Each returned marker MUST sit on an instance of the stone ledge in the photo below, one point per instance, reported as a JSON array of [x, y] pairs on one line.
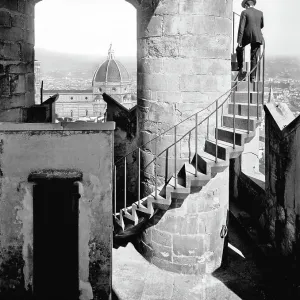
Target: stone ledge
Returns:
[[76, 126]]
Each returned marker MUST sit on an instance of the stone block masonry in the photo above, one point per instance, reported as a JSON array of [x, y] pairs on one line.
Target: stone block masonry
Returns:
[[16, 57], [187, 238], [184, 62]]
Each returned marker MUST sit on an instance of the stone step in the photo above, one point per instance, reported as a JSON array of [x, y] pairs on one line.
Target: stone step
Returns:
[[243, 86], [207, 165], [241, 109], [241, 136], [242, 97], [129, 216], [148, 209], [194, 179], [225, 150], [241, 122], [159, 201], [180, 192]]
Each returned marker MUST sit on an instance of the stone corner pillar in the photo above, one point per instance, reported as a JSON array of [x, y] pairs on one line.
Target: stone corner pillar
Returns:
[[16, 58]]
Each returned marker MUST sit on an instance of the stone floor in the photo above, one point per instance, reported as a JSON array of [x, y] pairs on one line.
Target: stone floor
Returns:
[[243, 276]]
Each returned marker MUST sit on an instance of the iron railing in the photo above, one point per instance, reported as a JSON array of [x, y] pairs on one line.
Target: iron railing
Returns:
[[230, 94]]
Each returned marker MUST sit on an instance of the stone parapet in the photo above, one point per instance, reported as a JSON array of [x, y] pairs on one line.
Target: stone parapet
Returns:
[[37, 156]]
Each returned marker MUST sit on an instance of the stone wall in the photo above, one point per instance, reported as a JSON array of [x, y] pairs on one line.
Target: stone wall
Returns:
[[16, 58], [27, 148], [187, 238], [183, 53], [282, 173]]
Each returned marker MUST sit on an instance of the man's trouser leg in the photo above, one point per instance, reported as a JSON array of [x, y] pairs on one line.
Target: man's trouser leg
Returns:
[[254, 54], [240, 57]]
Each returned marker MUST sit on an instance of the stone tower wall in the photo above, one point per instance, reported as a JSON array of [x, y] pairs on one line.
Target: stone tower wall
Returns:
[[16, 58], [183, 54]]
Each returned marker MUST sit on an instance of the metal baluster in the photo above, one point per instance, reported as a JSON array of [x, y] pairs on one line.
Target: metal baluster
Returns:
[[175, 155], [115, 190], [167, 166], [196, 144], [263, 81], [207, 127], [248, 104], [234, 137], [155, 167], [217, 133], [233, 19], [139, 177], [222, 112], [125, 183], [257, 100]]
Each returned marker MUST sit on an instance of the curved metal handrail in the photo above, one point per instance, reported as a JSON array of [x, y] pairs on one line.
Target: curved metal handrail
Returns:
[[198, 112], [207, 117], [229, 93]]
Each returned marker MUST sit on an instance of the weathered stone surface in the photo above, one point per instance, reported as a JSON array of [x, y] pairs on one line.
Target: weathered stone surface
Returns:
[[5, 19], [16, 47], [95, 226]]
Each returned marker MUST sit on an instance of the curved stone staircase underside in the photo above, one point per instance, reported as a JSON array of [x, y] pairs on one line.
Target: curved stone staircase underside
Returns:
[[132, 220]]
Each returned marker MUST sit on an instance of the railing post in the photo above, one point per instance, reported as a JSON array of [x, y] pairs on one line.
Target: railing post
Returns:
[[196, 144], [175, 155], [167, 166], [115, 190], [248, 104], [233, 34], [217, 131], [125, 183], [234, 142], [207, 133], [139, 177], [257, 100], [263, 80], [155, 167]]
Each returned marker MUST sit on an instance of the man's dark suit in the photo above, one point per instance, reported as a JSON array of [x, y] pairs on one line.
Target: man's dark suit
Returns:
[[251, 23]]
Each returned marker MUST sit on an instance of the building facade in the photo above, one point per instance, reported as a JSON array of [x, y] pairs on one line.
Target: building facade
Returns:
[[110, 77]]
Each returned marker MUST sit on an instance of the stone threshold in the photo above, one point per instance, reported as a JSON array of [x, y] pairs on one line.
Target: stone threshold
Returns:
[[71, 126]]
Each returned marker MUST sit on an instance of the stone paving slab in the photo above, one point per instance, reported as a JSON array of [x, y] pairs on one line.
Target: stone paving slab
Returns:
[[135, 278]]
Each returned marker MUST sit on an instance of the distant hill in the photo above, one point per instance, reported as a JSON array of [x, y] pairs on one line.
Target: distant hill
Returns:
[[283, 67], [56, 61]]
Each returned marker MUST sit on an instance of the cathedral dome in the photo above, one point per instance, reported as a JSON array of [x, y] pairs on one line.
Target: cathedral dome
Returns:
[[111, 71]]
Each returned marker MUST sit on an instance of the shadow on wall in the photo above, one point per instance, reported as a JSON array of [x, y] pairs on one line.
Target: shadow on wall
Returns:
[[251, 275]]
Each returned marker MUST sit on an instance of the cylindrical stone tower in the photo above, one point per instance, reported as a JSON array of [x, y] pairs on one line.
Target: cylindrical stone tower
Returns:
[[16, 58], [184, 64]]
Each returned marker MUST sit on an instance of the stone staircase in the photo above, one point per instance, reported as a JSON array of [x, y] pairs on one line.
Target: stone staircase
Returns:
[[238, 126]]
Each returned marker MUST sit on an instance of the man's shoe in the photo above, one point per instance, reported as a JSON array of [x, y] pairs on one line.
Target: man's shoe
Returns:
[[242, 76]]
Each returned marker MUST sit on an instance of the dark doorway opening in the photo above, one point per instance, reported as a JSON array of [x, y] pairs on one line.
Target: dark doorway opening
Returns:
[[55, 238]]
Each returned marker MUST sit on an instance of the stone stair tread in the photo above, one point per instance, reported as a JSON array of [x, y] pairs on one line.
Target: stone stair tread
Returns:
[[246, 104], [239, 131], [171, 183], [240, 117], [130, 216], [225, 144], [158, 199], [143, 209], [190, 170], [245, 92], [210, 159]]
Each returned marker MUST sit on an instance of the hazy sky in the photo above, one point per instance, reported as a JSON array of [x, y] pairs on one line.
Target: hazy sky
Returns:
[[89, 26]]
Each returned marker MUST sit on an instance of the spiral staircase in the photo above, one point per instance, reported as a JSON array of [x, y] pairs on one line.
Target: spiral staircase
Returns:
[[236, 119]]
